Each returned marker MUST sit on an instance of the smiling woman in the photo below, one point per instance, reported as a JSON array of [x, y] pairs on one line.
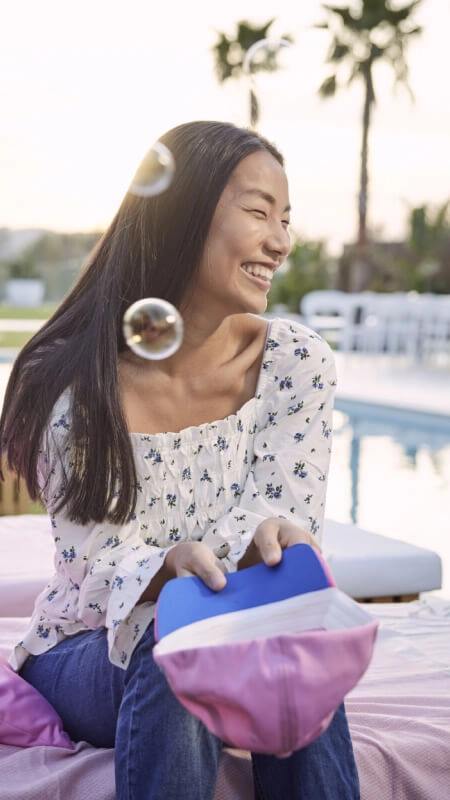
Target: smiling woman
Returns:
[[209, 461], [248, 234]]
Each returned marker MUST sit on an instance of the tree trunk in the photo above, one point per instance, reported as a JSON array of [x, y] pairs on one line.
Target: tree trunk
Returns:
[[364, 172], [360, 267], [254, 109]]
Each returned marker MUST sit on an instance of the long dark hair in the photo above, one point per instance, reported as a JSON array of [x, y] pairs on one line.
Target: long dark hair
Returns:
[[152, 248]]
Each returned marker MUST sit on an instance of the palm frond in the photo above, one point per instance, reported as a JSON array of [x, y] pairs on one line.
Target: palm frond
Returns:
[[247, 34], [230, 53], [338, 51], [344, 13], [328, 87], [355, 72], [399, 15], [221, 50]]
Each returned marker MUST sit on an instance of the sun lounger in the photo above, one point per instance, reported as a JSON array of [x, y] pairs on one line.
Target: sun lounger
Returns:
[[399, 713], [365, 565]]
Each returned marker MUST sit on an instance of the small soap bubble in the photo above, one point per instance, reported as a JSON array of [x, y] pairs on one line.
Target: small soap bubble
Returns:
[[263, 55], [153, 328], [155, 173], [261, 59]]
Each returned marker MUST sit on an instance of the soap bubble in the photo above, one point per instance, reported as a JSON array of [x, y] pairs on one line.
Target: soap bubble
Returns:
[[262, 58], [263, 55], [153, 328], [155, 173]]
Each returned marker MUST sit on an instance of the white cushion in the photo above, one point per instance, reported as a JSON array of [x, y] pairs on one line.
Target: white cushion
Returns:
[[363, 564], [366, 564]]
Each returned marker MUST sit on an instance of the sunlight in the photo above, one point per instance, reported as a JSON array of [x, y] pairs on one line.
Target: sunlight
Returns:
[[88, 88]]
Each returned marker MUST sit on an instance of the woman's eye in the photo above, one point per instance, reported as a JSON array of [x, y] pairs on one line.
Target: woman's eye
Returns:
[[286, 222], [260, 212]]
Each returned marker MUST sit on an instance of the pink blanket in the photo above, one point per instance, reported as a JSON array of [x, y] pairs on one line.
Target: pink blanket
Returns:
[[399, 716]]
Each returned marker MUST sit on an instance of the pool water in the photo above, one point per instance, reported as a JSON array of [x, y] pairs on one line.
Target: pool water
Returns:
[[390, 473]]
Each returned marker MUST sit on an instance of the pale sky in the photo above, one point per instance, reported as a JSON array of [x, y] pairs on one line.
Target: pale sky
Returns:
[[87, 86]]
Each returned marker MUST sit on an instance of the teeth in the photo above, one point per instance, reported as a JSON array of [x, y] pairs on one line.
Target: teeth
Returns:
[[258, 271]]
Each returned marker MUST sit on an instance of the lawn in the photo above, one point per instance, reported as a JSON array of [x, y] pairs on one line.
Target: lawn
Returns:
[[16, 339], [13, 340], [16, 312]]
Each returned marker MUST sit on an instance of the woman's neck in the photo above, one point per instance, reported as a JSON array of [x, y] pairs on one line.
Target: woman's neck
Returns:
[[205, 347], [209, 378]]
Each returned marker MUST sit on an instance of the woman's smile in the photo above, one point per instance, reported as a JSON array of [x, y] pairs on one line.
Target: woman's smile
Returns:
[[259, 274]]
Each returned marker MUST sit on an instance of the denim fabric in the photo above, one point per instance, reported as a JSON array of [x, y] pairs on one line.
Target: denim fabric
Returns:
[[162, 752]]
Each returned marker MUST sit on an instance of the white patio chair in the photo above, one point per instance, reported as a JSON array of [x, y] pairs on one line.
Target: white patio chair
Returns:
[[434, 337], [389, 324], [334, 314]]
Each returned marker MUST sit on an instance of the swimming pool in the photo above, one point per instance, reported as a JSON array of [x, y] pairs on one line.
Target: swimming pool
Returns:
[[390, 473]]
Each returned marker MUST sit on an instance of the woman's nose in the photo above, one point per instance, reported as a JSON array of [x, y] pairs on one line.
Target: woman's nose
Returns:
[[278, 241]]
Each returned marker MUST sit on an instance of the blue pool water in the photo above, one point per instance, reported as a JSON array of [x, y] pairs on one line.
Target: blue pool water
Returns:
[[390, 473]]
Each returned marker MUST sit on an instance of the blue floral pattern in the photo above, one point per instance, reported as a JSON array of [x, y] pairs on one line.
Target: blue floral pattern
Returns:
[[213, 482]]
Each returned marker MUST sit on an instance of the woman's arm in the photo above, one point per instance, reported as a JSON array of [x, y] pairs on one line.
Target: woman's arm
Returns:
[[292, 448]]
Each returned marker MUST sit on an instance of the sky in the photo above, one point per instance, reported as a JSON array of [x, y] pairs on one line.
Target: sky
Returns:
[[87, 86]]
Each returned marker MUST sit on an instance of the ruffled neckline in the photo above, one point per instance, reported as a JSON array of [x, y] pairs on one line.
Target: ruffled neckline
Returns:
[[214, 428]]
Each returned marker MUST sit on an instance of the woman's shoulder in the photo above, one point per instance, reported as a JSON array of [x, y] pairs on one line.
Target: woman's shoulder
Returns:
[[295, 359], [277, 331], [288, 338]]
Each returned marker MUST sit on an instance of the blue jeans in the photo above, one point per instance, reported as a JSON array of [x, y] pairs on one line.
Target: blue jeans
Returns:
[[163, 752]]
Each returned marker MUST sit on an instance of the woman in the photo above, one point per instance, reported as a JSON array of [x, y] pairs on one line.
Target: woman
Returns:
[[149, 469]]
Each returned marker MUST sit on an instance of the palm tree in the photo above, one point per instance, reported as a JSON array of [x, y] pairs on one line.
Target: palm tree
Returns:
[[232, 57], [376, 32], [429, 243]]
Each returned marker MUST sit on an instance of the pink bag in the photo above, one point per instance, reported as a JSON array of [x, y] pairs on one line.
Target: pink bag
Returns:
[[265, 662]]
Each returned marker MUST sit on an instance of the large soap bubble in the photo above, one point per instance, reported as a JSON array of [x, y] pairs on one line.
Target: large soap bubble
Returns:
[[155, 173], [153, 328]]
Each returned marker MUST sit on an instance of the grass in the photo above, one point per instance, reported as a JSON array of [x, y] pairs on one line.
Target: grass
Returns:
[[35, 508], [14, 339], [19, 312]]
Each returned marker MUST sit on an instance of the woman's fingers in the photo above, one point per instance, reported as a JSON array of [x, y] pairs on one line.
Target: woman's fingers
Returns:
[[274, 534], [271, 537], [267, 541], [212, 576], [264, 546], [194, 558], [290, 534]]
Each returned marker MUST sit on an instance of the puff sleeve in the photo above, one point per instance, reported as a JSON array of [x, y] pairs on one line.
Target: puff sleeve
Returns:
[[101, 570], [292, 447]]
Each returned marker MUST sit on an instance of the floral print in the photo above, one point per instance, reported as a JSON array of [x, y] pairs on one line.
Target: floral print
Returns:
[[213, 482]]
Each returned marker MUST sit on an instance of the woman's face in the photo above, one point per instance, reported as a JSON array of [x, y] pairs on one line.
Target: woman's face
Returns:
[[248, 239]]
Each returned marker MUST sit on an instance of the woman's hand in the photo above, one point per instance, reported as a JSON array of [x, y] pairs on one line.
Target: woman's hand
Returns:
[[187, 559], [272, 537], [195, 558]]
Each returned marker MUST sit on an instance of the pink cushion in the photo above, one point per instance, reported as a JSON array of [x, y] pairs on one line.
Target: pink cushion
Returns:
[[26, 717]]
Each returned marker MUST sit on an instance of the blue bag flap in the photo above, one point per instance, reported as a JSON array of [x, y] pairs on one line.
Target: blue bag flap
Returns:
[[186, 600]]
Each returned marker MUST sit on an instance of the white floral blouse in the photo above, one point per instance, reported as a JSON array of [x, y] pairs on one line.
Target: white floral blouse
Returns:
[[214, 482]]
